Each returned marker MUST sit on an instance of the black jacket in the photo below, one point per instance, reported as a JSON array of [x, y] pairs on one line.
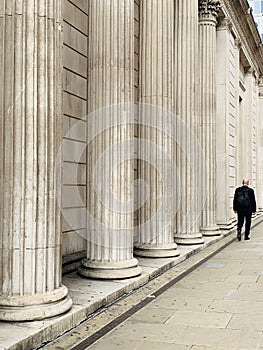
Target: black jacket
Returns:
[[252, 206]]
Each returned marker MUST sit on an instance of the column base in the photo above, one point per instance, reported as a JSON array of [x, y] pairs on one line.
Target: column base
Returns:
[[156, 251], [189, 239], [210, 231], [110, 270], [226, 226], [35, 307]]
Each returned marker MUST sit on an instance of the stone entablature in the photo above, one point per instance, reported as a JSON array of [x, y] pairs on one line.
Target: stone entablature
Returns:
[[245, 28]]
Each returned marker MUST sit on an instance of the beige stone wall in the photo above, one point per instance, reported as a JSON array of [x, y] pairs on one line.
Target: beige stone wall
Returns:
[[254, 135], [75, 50], [226, 122]]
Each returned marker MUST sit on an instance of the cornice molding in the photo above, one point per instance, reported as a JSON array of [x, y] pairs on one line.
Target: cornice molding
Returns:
[[249, 71], [244, 24], [225, 24], [260, 86], [238, 43]]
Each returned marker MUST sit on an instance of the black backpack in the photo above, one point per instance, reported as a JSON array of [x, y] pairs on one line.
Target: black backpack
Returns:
[[242, 198]]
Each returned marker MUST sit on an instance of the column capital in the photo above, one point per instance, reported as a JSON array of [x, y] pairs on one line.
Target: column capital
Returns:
[[225, 24], [260, 86], [208, 10], [249, 71], [238, 43]]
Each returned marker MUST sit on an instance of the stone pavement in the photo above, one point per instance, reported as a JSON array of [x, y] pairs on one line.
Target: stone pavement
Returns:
[[190, 313], [219, 305]]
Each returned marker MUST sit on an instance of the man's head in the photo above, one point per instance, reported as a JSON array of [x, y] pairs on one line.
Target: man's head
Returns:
[[245, 182]]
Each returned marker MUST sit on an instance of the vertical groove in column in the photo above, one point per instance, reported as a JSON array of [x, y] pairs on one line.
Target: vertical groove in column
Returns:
[[155, 236], [208, 12], [187, 218], [30, 230], [2, 66], [110, 93]]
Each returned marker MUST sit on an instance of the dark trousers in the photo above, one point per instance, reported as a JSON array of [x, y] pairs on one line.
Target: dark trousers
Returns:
[[241, 215]]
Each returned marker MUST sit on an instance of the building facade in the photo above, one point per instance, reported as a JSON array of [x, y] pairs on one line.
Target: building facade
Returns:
[[125, 128]]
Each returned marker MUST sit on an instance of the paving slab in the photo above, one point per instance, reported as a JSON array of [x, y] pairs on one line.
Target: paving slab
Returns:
[[236, 306], [247, 321], [222, 338], [131, 330], [195, 318], [212, 290], [153, 315]]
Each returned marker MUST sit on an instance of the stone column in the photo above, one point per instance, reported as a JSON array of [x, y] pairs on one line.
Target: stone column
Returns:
[[208, 12], [227, 86], [186, 105], [110, 188], [259, 189], [155, 236], [30, 127]]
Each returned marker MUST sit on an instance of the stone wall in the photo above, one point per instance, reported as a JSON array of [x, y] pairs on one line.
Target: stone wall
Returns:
[[227, 78], [75, 51]]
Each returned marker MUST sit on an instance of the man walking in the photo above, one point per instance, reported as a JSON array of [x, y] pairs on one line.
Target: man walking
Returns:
[[244, 205]]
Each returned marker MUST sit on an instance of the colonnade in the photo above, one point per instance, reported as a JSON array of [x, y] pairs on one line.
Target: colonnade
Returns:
[[177, 77]]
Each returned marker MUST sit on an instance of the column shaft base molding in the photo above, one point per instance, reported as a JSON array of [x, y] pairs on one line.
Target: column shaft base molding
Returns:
[[189, 239], [110, 269], [226, 226], [157, 250], [35, 307], [210, 231]]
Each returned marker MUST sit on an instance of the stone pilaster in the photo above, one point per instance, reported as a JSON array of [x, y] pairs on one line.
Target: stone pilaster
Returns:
[[155, 236], [227, 86], [30, 127], [186, 105], [239, 121], [110, 172], [208, 12], [247, 134], [259, 188]]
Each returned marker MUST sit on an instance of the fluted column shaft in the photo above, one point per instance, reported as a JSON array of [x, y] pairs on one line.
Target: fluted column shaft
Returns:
[[208, 11], [186, 93], [30, 127], [155, 236], [110, 171]]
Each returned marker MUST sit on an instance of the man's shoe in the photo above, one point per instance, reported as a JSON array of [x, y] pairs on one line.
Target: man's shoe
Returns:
[[247, 238], [239, 235]]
